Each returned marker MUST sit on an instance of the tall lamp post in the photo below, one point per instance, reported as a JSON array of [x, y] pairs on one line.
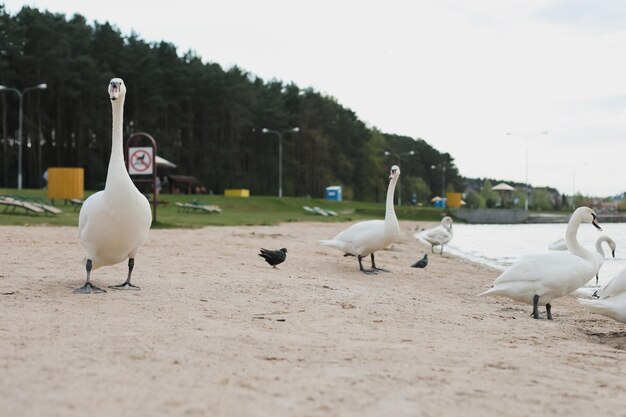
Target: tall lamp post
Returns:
[[20, 94], [399, 156], [527, 137], [280, 133]]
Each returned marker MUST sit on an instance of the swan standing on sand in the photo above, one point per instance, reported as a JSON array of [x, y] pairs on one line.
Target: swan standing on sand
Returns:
[[538, 279], [365, 238], [561, 245], [439, 235], [114, 223], [612, 302]]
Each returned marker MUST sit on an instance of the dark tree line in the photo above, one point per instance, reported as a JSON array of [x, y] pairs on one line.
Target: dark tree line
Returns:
[[206, 119]]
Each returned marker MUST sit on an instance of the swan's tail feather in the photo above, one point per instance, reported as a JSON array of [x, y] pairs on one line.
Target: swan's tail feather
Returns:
[[334, 244], [490, 291]]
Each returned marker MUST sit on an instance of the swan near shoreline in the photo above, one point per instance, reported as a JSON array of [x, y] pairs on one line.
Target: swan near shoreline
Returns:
[[365, 238], [538, 279]]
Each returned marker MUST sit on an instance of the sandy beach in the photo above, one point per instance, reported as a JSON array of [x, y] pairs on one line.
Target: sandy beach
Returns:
[[215, 331]]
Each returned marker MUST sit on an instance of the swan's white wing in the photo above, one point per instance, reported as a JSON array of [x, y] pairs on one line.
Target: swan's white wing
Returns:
[[613, 307], [437, 235], [549, 275], [615, 286]]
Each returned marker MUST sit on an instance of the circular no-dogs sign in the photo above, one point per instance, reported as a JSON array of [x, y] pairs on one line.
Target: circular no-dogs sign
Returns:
[[140, 160]]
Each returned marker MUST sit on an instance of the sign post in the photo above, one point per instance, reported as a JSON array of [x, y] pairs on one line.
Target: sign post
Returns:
[[140, 161]]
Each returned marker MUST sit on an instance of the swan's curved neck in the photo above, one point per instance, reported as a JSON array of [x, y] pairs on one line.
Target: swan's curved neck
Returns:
[[117, 167], [390, 213], [599, 247], [572, 243]]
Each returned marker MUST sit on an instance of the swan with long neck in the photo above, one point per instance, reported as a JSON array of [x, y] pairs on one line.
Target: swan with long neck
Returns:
[[538, 279], [365, 238], [439, 235], [114, 223]]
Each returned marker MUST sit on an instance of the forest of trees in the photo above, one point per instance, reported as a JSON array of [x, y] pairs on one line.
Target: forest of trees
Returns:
[[206, 119]]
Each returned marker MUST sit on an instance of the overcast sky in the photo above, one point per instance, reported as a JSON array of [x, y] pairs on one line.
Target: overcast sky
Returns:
[[459, 74]]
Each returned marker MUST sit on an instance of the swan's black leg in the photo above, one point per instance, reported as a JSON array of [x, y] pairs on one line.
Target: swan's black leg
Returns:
[[365, 271], [535, 309], [127, 285], [374, 265], [88, 288], [549, 311], [432, 248], [596, 280], [441, 253]]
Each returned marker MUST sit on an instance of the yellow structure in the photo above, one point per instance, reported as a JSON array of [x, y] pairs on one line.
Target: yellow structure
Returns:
[[242, 192], [454, 200], [66, 183]]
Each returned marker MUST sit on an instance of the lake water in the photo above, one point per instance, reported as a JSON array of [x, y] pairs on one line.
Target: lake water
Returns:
[[501, 245]]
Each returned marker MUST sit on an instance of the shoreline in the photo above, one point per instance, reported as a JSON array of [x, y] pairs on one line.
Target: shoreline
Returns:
[[216, 331]]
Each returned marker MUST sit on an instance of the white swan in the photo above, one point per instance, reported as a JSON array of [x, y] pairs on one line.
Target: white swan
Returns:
[[615, 286], [558, 244], [365, 238], [439, 235], [613, 307], [113, 223], [612, 302], [561, 245], [538, 279]]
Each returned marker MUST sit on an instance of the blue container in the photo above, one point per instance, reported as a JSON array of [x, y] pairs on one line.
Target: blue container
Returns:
[[333, 193]]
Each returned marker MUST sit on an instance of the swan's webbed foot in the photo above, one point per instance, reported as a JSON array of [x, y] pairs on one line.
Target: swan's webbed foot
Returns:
[[88, 288], [125, 286], [369, 271], [381, 269]]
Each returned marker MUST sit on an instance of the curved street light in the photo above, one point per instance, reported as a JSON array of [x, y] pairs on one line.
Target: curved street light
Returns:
[[399, 156], [280, 133], [527, 137], [20, 94]]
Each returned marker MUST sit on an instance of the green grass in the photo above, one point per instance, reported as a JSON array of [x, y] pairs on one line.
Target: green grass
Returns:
[[262, 210]]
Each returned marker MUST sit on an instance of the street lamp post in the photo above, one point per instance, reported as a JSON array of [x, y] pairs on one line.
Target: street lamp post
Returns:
[[20, 94], [527, 137], [399, 156], [279, 133], [443, 178]]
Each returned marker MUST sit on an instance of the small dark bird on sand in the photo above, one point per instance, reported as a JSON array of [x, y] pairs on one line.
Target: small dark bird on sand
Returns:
[[421, 263], [274, 257]]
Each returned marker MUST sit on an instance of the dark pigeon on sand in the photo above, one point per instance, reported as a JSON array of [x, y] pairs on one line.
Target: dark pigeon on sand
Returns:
[[274, 257], [421, 263]]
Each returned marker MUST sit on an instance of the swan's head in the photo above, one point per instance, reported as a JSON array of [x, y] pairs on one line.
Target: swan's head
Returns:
[[586, 215], [447, 222], [395, 172], [117, 89]]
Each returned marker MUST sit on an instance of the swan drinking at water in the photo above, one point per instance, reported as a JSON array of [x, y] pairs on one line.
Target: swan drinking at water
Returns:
[[114, 223], [538, 279], [365, 238]]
